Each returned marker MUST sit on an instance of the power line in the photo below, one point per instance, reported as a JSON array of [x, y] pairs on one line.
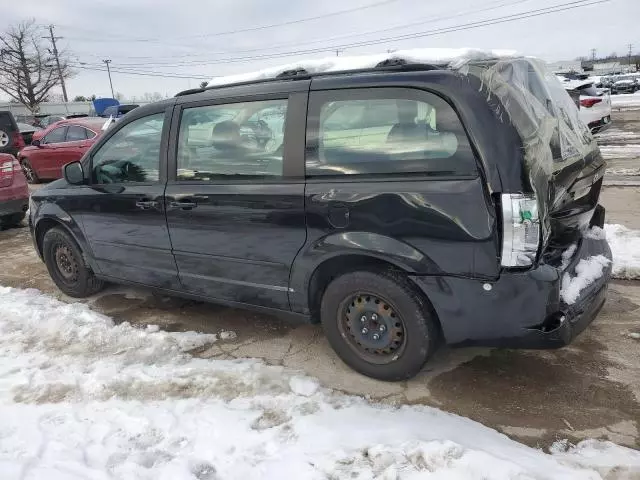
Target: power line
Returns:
[[264, 27], [456, 28], [144, 74], [422, 21], [439, 31]]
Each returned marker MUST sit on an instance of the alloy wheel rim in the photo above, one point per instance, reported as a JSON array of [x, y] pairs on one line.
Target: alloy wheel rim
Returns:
[[372, 328], [4, 139], [28, 172]]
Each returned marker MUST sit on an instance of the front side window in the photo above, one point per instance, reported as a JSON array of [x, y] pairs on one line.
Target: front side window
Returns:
[[132, 154], [239, 140], [57, 135], [385, 131]]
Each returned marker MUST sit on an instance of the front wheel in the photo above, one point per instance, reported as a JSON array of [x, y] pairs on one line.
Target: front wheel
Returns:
[[378, 325], [29, 172], [67, 266]]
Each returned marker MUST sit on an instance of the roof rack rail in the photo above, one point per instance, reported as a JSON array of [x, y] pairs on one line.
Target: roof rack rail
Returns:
[[391, 65], [189, 92]]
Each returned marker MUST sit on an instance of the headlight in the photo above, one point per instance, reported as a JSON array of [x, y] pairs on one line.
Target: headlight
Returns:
[[520, 230]]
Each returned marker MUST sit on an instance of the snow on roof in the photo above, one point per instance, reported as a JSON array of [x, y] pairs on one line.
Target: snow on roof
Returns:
[[433, 56], [573, 84]]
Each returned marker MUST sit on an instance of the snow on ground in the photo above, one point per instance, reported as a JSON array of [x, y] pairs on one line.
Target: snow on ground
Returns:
[[83, 398], [624, 172], [437, 56], [625, 246], [620, 151], [626, 100]]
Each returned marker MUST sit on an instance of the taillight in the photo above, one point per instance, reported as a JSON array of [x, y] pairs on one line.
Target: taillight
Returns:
[[6, 172], [589, 102], [520, 230], [18, 141]]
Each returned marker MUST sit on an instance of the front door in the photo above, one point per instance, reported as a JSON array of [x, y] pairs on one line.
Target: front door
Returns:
[[235, 211], [123, 210], [46, 158]]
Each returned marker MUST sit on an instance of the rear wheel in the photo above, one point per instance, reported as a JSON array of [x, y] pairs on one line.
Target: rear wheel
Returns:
[[67, 266], [29, 172], [378, 325]]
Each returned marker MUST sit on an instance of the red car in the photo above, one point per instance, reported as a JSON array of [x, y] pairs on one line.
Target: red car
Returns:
[[14, 192], [60, 143]]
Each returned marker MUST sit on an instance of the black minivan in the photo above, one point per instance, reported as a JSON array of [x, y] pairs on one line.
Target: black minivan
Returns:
[[402, 206]]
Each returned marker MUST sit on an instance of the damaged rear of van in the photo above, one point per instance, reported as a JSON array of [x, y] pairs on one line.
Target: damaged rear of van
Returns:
[[555, 262]]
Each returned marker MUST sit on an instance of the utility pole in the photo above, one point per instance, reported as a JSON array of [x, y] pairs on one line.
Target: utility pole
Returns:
[[55, 54], [593, 54], [338, 52], [630, 50], [107, 62]]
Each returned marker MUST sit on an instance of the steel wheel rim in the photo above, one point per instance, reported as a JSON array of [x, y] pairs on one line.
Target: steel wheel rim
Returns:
[[66, 263], [372, 328], [4, 139], [28, 171]]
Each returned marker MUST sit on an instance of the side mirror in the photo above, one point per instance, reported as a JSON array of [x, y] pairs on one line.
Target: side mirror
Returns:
[[73, 173], [36, 143]]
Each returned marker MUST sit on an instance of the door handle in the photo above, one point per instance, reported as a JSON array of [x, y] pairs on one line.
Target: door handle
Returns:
[[146, 204], [183, 204]]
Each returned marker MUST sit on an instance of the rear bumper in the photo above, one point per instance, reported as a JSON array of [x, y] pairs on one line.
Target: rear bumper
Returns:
[[521, 309], [9, 207], [600, 125]]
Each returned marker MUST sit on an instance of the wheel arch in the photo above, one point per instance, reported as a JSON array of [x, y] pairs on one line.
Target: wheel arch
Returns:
[[341, 264], [345, 251], [49, 221]]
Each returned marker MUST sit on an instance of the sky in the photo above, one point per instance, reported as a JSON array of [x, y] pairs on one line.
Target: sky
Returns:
[[166, 46]]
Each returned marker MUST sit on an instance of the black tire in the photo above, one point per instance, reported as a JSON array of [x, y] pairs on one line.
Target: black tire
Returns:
[[407, 349], [29, 172], [12, 220], [67, 266]]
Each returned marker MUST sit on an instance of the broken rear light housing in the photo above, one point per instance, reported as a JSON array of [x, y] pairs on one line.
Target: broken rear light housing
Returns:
[[520, 229]]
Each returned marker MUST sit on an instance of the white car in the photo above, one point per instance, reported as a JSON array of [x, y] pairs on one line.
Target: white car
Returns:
[[594, 103]]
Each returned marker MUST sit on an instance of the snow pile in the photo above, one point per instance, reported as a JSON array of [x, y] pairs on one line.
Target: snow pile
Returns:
[[588, 270], [433, 56], [625, 246], [81, 397], [603, 456]]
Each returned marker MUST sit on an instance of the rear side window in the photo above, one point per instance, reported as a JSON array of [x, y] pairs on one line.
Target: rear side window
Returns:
[[384, 132], [76, 134], [6, 122]]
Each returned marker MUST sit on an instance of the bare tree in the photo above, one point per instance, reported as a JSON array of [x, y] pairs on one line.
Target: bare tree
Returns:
[[28, 69]]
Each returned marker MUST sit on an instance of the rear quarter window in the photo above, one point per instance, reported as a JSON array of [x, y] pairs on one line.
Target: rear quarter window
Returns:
[[386, 131], [6, 122]]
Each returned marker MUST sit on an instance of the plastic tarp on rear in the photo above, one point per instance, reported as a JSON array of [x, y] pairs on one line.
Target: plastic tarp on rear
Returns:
[[544, 115]]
